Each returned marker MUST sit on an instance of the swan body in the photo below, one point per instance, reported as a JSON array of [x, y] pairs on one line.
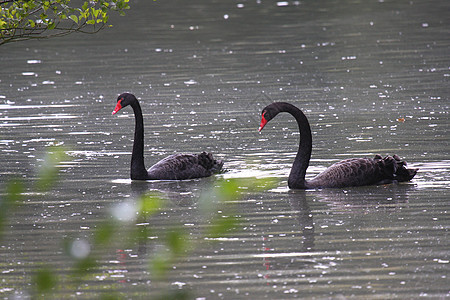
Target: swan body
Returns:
[[173, 167], [185, 166], [349, 172]]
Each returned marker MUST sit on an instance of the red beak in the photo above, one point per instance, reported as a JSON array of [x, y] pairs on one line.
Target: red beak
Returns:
[[263, 122], [118, 107]]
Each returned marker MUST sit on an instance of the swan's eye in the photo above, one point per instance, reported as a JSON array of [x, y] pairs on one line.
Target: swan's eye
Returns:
[[266, 115]]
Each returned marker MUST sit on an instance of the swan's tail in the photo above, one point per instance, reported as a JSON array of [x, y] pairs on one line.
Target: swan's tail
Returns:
[[396, 167], [209, 163]]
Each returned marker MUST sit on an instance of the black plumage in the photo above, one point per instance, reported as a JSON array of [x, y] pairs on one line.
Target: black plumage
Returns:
[[173, 167], [349, 172]]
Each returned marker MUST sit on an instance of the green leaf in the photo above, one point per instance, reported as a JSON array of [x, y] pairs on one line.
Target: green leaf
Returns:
[[95, 12], [229, 189], [74, 18], [90, 22], [2, 24], [14, 190], [14, 195], [83, 15], [149, 204], [44, 280], [84, 265], [177, 242], [160, 265], [221, 226], [178, 294], [43, 17], [110, 296], [104, 233], [142, 233], [48, 172]]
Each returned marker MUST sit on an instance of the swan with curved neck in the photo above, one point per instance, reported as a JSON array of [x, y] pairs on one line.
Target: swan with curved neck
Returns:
[[173, 167], [349, 172]]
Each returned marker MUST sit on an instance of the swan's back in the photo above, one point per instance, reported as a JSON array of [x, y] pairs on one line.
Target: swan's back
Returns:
[[185, 166], [363, 171]]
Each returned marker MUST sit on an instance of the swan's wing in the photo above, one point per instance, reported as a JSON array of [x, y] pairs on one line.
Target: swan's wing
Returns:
[[349, 172], [185, 166], [364, 171]]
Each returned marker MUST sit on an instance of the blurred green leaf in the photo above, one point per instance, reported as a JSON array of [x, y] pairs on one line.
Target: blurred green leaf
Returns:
[[228, 189], [232, 189], [48, 172], [149, 204], [66, 244], [263, 184], [142, 233], [222, 225], [177, 242], [176, 295], [104, 233], [110, 296], [14, 190], [44, 280], [84, 266], [160, 264], [13, 196]]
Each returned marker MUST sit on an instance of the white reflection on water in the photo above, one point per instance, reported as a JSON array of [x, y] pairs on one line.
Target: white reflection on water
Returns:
[[121, 181], [87, 133], [96, 153], [80, 249], [249, 173], [9, 106], [41, 117], [290, 254], [125, 211], [432, 174]]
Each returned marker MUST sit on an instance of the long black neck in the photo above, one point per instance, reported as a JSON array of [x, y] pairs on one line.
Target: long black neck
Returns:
[[138, 171], [297, 176]]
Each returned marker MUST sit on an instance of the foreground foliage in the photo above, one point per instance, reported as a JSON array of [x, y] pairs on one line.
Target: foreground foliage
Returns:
[[37, 19], [128, 225]]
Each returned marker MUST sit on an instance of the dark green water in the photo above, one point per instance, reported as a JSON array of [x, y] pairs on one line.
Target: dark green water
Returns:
[[372, 77]]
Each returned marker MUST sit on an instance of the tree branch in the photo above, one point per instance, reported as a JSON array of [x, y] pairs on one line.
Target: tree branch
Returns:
[[37, 19], [5, 1]]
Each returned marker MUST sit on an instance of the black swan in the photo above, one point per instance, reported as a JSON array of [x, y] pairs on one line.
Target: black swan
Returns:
[[349, 172], [173, 167]]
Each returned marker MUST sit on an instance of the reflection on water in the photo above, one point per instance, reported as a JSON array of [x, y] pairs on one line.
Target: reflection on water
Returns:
[[371, 77]]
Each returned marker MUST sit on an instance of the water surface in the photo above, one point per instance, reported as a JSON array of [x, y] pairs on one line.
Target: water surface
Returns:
[[371, 77]]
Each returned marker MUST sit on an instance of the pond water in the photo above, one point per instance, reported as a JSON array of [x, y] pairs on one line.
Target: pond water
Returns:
[[372, 77]]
